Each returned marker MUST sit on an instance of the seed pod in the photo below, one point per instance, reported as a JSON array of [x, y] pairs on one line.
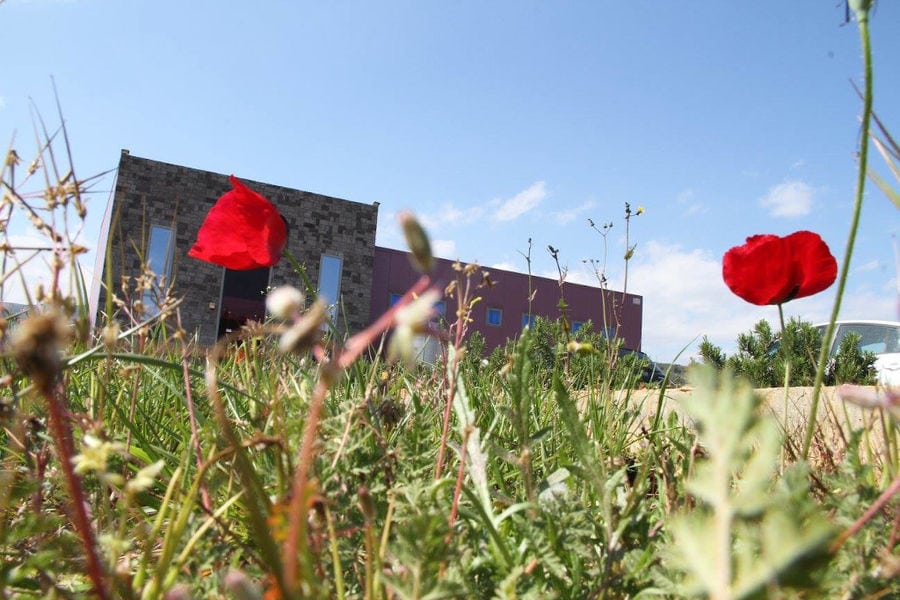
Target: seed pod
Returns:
[[418, 243], [37, 346]]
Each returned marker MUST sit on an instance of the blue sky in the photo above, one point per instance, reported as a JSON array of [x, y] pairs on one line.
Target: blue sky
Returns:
[[497, 122]]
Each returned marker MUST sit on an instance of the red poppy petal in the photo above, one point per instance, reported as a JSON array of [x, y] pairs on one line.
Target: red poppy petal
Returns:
[[242, 231], [816, 266], [758, 271]]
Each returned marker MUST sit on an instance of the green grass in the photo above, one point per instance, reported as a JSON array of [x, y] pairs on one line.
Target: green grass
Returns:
[[136, 465], [547, 490]]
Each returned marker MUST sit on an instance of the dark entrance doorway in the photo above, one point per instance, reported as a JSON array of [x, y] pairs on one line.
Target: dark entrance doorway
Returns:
[[243, 298]]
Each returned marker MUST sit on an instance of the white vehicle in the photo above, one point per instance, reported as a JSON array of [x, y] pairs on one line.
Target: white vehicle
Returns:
[[880, 337]]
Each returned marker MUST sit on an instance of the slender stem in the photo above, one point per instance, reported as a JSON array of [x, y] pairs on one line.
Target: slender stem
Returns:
[[862, 18], [460, 477], [257, 502], [62, 436], [787, 379], [883, 499], [293, 553], [335, 556], [192, 418], [627, 249]]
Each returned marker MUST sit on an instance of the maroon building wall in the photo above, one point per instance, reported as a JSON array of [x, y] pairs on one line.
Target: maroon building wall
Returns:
[[393, 274]]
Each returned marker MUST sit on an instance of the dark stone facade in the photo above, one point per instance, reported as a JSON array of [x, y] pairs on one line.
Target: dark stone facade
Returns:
[[150, 192]]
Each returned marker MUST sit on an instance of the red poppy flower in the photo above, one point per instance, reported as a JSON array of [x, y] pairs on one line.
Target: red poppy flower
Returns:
[[769, 269], [242, 231]]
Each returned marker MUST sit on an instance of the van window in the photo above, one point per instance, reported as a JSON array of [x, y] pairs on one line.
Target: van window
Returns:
[[874, 337]]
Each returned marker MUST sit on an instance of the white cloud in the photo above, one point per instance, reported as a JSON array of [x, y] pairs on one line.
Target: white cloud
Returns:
[[872, 265], [567, 216], [572, 276], [451, 215], [388, 231], [789, 199], [866, 304], [684, 299], [505, 266], [526, 200], [444, 248], [686, 199]]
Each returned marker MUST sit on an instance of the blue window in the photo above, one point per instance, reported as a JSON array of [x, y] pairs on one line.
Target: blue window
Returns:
[[395, 298], [527, 320], [494, 316], [441, 307], [159, 260], [576, 325], [330, 281]]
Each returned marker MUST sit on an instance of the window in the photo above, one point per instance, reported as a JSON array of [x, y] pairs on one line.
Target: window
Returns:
[[330, 281], [873, 337], [159, 260], [527, 320], [243, 298], [494, 316]]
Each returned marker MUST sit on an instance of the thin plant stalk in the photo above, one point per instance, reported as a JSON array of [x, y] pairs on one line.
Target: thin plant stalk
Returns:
[[293, 551], [62, 436], [861, 9], [883, 499], [192, 418], [787, 380], [258, 504]]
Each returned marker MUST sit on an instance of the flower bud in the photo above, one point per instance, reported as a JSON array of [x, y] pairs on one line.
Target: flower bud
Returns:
[[409, 320], [111, 335], [37, 345], [284, 302], [418, 243], [305, 331], [366, 504], [580, 347]]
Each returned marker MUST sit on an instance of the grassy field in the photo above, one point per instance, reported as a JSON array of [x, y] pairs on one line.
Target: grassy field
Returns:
[[543, 490], [288, 463]]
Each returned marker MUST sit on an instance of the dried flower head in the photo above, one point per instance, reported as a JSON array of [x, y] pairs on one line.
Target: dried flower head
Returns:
[[284, 302], [306, 330], [409, 320], [94, 457], [37, 345], [143, 479]]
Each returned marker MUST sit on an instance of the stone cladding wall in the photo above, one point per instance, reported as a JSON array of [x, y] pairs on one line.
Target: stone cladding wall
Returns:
[[150, 192]]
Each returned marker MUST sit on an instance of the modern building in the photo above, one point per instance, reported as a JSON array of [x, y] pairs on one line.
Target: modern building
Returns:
[[157, 208], [504, 309]]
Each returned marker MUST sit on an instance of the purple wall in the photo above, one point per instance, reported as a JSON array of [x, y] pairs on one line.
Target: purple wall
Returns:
[[393, 274]]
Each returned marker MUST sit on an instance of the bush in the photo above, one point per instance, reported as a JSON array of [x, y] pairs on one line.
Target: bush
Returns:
[[850, 364], [763, 354]]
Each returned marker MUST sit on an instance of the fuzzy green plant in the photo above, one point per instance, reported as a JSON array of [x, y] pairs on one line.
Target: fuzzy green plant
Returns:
[[744, 531]]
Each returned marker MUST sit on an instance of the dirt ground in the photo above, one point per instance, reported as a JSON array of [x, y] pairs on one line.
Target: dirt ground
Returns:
[[836, 419]]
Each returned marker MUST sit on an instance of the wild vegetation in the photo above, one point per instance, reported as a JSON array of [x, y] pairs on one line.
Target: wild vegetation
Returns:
[[287, 462], [765, 357]]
